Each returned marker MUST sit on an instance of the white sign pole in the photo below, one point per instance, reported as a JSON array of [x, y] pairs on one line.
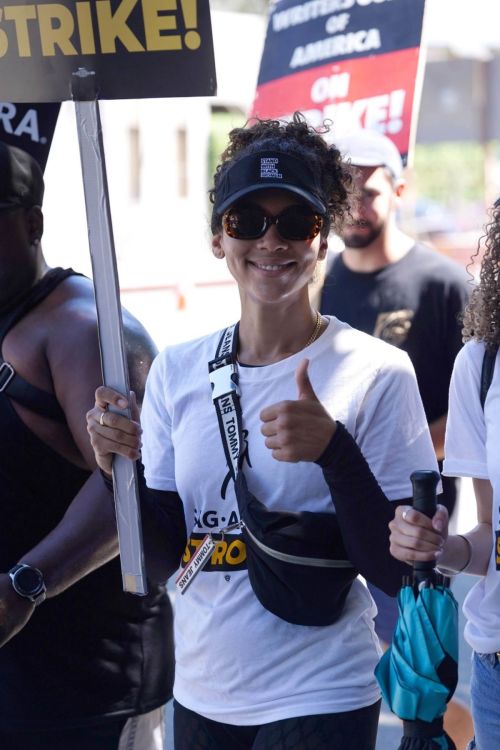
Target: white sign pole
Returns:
[[107, 296]]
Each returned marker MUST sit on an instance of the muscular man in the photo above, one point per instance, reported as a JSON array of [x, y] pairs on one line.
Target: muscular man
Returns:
[[386, 284], [90, 667]]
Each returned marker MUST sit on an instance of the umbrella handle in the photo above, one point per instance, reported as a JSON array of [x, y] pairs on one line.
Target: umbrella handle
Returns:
[[424, 483]]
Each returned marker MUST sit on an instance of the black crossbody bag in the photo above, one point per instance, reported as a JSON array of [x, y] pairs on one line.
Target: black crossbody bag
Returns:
[[297, 562]]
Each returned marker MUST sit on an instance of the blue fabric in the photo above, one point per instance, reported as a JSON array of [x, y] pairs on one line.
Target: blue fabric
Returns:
[[425, 640], [485, 700]]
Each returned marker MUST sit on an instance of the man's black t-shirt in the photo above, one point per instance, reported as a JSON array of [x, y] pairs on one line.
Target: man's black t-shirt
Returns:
[[415, 304]]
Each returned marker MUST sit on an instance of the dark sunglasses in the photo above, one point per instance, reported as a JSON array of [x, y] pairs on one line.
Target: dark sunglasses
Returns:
[[251, 222]]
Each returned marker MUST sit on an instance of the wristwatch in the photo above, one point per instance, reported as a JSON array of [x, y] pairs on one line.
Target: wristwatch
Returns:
[[28, 582]]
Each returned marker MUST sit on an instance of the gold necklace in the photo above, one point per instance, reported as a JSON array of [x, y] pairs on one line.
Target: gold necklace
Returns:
[[317, 328], [312, 338]]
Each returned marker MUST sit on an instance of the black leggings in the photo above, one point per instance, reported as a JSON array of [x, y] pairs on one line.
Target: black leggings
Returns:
[[104, 736], [351, 730]]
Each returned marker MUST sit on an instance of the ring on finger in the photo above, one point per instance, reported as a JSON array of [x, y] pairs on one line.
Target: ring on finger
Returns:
[[101, 419]]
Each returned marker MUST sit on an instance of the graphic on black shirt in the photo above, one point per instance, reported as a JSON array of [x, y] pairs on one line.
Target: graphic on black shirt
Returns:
[[394, 326]]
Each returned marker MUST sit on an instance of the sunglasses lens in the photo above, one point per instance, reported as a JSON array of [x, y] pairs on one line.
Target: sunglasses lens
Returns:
[[299, 223], [251, 222], [245, 223]]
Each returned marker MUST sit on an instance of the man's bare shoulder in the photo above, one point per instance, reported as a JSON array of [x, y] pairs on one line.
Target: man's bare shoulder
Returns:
[[71, 314], [73, 303]]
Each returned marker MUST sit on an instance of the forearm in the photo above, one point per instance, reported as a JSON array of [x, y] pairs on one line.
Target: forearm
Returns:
[[467, 553], [164, 533], [163, 528], [437, 430], [85, 539], [363, 511]]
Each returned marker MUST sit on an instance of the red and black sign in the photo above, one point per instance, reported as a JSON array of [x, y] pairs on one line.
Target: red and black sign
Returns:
[[353, 62]]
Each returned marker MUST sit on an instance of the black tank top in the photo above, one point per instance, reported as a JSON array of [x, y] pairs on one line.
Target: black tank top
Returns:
[[94, 651]]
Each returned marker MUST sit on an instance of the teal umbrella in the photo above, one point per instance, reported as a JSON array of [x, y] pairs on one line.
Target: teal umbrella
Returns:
[[418, 673]]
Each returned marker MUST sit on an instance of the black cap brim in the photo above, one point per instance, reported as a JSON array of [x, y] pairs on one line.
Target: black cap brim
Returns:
[[311, 199]]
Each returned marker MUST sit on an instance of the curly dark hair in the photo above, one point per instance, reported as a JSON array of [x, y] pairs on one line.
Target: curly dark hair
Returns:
[[482, 314], [299, 138]]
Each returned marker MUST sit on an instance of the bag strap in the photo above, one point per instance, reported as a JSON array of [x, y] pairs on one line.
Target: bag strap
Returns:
[[33, 297], [14, 385], [223, 374], [487, 370]]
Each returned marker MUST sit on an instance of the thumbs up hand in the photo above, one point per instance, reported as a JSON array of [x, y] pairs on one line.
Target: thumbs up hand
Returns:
[[298, 430], [304, 387]]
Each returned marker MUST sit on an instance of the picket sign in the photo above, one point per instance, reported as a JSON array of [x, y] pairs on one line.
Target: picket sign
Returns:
[[125, 49], [354, 63]]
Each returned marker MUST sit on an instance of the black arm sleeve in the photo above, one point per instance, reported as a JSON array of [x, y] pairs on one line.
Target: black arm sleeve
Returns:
[[363, 512], [163, 528]]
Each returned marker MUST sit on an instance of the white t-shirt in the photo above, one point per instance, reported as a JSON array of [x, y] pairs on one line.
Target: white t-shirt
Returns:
[[235, 661], [472, 450]]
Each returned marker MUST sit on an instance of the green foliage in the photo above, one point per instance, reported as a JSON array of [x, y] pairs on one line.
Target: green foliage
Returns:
[[222, 122], [450, 173]]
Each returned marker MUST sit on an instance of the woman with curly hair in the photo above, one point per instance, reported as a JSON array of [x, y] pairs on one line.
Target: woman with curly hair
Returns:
[[471, 450], [316, 399]]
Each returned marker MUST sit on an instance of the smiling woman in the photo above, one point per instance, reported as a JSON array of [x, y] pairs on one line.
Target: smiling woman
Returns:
[[271, 246], [275, 644], [276, 194]]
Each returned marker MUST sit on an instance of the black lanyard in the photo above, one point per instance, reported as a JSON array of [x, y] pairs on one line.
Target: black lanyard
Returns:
[[223, 374]]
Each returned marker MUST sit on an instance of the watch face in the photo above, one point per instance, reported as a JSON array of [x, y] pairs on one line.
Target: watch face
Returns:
[[29, 581]]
